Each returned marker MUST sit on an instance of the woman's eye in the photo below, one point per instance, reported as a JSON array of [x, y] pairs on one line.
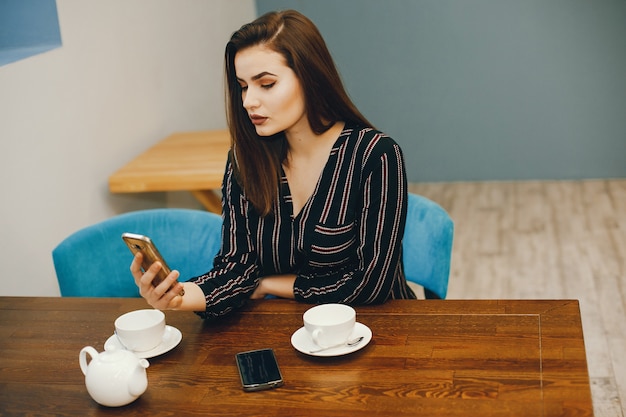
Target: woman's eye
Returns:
[[267, 86], [243, 88]]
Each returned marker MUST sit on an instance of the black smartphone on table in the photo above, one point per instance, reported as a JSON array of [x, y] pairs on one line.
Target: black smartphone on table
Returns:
[[258, 370]]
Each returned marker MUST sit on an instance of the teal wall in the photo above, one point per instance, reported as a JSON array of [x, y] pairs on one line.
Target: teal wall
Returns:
[[486, 89]]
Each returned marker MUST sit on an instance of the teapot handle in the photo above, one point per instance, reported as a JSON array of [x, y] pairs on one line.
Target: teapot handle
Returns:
[[82, 357]]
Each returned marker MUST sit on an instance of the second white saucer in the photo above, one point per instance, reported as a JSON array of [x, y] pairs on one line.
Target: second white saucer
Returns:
[[301, 340]]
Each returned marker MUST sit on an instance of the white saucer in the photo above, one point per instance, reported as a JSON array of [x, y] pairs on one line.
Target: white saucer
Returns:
[[171, 339], [303, 342]]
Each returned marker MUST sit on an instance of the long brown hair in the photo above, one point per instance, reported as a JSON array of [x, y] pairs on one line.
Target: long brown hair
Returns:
[[257, 160]]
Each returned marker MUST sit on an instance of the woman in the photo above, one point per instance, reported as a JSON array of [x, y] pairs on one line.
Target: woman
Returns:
[[314, 199]]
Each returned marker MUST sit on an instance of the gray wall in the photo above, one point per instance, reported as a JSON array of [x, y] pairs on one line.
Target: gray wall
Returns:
[[129, 73], [486, 89]]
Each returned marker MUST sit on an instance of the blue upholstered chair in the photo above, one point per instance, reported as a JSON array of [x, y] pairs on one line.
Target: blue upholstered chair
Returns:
[[95, 262], [427, 246]]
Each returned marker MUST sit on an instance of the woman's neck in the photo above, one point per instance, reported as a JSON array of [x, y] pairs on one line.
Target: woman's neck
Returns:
[[305, 144]]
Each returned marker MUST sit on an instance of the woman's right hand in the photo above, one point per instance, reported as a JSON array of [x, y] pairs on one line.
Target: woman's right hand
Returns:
[[166, 295]]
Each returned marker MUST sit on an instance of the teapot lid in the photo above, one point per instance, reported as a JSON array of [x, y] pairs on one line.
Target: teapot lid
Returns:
[[113, 354]]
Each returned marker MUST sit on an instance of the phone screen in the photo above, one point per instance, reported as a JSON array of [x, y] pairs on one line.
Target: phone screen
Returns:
[[259, 370]]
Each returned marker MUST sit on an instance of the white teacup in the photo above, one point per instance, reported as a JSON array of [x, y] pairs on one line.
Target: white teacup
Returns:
[[329, 324], [140, 330]]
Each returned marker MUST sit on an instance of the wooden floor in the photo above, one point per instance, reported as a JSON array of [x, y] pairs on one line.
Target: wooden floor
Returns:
[[548, 239]]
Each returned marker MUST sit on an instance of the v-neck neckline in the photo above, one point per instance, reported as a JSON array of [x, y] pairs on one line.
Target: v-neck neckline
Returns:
[[288, 196]]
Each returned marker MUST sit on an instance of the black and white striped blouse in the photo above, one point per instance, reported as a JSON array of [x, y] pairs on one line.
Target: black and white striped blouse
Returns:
[[345, 245]]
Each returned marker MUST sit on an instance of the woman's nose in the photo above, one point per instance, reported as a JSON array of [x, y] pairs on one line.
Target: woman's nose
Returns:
[[250, 101]]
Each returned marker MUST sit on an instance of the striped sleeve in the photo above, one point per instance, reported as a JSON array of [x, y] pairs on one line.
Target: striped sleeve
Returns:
[[234, 275]]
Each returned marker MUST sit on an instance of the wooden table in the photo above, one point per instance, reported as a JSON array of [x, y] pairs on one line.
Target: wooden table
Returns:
[[428, 358], [189, 161]]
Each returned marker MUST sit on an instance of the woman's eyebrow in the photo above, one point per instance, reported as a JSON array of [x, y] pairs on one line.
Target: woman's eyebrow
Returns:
[[262, 74], [258, 76]]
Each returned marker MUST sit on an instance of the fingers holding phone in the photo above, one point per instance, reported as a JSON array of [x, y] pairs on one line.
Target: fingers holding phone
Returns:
[[150, 275], [167, 291], [156, 281]]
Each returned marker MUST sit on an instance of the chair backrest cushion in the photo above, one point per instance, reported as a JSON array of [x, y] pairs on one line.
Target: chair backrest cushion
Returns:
[[95, 262], [427, 245]]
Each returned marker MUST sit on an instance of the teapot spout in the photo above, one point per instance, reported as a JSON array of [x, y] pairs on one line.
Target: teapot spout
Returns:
[[138, 383]]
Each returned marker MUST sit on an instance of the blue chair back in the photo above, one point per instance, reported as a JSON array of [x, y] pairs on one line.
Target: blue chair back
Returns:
[[95, 262], [427, 246]]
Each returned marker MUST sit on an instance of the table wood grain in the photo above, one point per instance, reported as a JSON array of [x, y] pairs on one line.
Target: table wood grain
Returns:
[[185, 161], [430, 357]]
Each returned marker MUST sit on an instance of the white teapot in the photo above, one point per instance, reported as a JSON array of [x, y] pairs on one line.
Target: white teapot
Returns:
[[114, 377]]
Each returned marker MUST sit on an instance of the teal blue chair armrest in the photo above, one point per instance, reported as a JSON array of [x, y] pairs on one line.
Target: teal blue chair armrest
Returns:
[[95, 262], [427, 246]]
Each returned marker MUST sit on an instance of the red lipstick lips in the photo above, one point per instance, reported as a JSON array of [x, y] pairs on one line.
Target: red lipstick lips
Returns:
[[257, 120]]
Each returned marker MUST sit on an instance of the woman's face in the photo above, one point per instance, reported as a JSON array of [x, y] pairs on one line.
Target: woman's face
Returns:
[[271, 92]]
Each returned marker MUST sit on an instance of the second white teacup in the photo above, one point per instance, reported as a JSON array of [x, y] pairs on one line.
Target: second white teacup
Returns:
[[140, 330], [329, 324]]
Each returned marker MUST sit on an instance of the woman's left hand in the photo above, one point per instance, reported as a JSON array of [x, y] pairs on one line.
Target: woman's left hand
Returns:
[[278, 285], [259, 292]]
